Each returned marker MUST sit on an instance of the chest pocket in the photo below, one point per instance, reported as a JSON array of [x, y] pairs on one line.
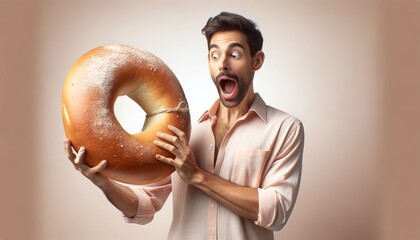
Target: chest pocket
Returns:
[[248, 166]]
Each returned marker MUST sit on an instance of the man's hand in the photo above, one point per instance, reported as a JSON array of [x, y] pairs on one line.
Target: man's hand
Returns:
[[241, 200], [184, 161], [119, 195], [78, 162]]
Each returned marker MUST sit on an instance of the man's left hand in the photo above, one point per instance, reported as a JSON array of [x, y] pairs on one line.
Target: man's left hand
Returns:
[[184, 161]]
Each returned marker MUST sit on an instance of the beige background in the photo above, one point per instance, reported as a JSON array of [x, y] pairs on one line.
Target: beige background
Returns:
[[350, 70]]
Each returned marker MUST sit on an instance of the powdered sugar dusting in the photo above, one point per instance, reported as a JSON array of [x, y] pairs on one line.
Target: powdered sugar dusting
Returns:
[[98, 72], [102, 123], [114, 47]]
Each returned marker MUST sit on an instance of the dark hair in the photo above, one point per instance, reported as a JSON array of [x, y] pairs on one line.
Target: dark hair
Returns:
[[226, 21]]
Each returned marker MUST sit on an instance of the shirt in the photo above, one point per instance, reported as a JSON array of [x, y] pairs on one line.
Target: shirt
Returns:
[[263, 149]]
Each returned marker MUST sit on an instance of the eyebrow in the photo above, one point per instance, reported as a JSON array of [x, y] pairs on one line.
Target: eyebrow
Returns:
[[232, 45]]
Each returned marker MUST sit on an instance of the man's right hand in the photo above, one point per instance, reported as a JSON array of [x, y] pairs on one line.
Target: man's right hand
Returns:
[[77, 159], [119, 195]]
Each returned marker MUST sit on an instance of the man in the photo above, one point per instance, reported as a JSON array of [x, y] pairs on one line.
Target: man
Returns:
[[239, 175]]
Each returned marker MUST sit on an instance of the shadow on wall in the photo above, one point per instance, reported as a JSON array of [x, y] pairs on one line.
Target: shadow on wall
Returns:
[[17, 121]]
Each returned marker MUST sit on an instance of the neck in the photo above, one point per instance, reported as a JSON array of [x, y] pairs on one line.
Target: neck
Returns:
[[229, 115]]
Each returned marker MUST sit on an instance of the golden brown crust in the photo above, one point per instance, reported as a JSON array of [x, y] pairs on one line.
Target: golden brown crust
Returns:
[[89, 93]]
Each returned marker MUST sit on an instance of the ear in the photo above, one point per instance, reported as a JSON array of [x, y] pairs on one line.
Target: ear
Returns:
[[258, 60]]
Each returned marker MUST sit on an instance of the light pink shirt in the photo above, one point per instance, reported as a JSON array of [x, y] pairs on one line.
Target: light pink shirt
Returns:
[[263, 149]]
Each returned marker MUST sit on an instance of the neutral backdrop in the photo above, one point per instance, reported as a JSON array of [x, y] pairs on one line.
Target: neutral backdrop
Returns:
[[348, 69]]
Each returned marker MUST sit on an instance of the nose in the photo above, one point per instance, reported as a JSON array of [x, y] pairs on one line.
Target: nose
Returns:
[[224, 63]]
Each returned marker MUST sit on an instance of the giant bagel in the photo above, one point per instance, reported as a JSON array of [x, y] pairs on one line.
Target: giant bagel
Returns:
[[90, 90]]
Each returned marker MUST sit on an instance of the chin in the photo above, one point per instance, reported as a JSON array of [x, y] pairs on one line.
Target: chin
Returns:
[[229, 103]]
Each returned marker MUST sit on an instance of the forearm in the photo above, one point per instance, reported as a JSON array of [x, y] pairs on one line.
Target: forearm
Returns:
[[122, 197], [242, 201]]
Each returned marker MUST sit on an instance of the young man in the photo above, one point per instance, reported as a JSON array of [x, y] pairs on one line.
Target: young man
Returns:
[[239, 175]]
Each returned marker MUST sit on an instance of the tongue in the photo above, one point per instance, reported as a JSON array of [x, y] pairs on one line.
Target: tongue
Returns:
[[229, 86]]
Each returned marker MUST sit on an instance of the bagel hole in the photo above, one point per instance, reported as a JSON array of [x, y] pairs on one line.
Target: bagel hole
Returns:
[[129, 114]]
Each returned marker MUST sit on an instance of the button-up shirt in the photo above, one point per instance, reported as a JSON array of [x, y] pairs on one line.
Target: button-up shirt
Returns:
[[263, 149]]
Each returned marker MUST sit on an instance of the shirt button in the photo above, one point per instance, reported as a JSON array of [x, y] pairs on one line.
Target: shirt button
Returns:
[[211, 147], [212, 205], [212, 237]]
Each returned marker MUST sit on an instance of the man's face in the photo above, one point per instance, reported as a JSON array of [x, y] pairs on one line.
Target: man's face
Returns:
[[230, 66]]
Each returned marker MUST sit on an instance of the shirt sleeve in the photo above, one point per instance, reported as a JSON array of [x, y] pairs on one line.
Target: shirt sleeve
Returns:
[[281, 183], [151, 199]]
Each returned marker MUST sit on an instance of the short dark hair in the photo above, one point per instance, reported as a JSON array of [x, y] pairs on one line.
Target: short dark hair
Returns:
[[226, 21]]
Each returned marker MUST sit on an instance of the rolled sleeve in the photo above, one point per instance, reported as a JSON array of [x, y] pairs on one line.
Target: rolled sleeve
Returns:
[[145, 210], [266, 218], [274, 209], [279, 190], [151, 199]]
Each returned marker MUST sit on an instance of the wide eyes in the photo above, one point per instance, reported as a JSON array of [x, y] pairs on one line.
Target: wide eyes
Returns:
[[216, 55], [236, 54]]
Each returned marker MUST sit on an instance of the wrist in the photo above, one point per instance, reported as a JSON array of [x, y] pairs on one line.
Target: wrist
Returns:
[[199, 178], [100, 181]]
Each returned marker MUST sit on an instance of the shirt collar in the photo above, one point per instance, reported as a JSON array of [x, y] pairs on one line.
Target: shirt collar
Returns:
[[258, 107]]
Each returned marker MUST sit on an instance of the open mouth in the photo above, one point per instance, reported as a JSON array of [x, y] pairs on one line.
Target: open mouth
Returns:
[[228, 86]]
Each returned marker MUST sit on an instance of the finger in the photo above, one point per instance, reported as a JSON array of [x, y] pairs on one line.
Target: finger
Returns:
[[170, 138], [168, 147], [179, 133], [166, 160], [70, 153], [167, 137], [99, 167], [69, 150], [79, 161]]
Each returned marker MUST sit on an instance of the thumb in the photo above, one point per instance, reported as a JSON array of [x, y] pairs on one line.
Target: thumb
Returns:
[[100, 166]]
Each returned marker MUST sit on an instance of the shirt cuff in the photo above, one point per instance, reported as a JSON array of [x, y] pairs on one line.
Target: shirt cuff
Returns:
[[145, 210], [269, 214]]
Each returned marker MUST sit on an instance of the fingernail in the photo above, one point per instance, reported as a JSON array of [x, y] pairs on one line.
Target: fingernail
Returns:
[[156, 142], [82, 149], [158, 157], [158, 134]]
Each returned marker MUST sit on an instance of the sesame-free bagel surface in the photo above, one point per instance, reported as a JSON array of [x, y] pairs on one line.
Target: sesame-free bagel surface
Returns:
[[90, 90]]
